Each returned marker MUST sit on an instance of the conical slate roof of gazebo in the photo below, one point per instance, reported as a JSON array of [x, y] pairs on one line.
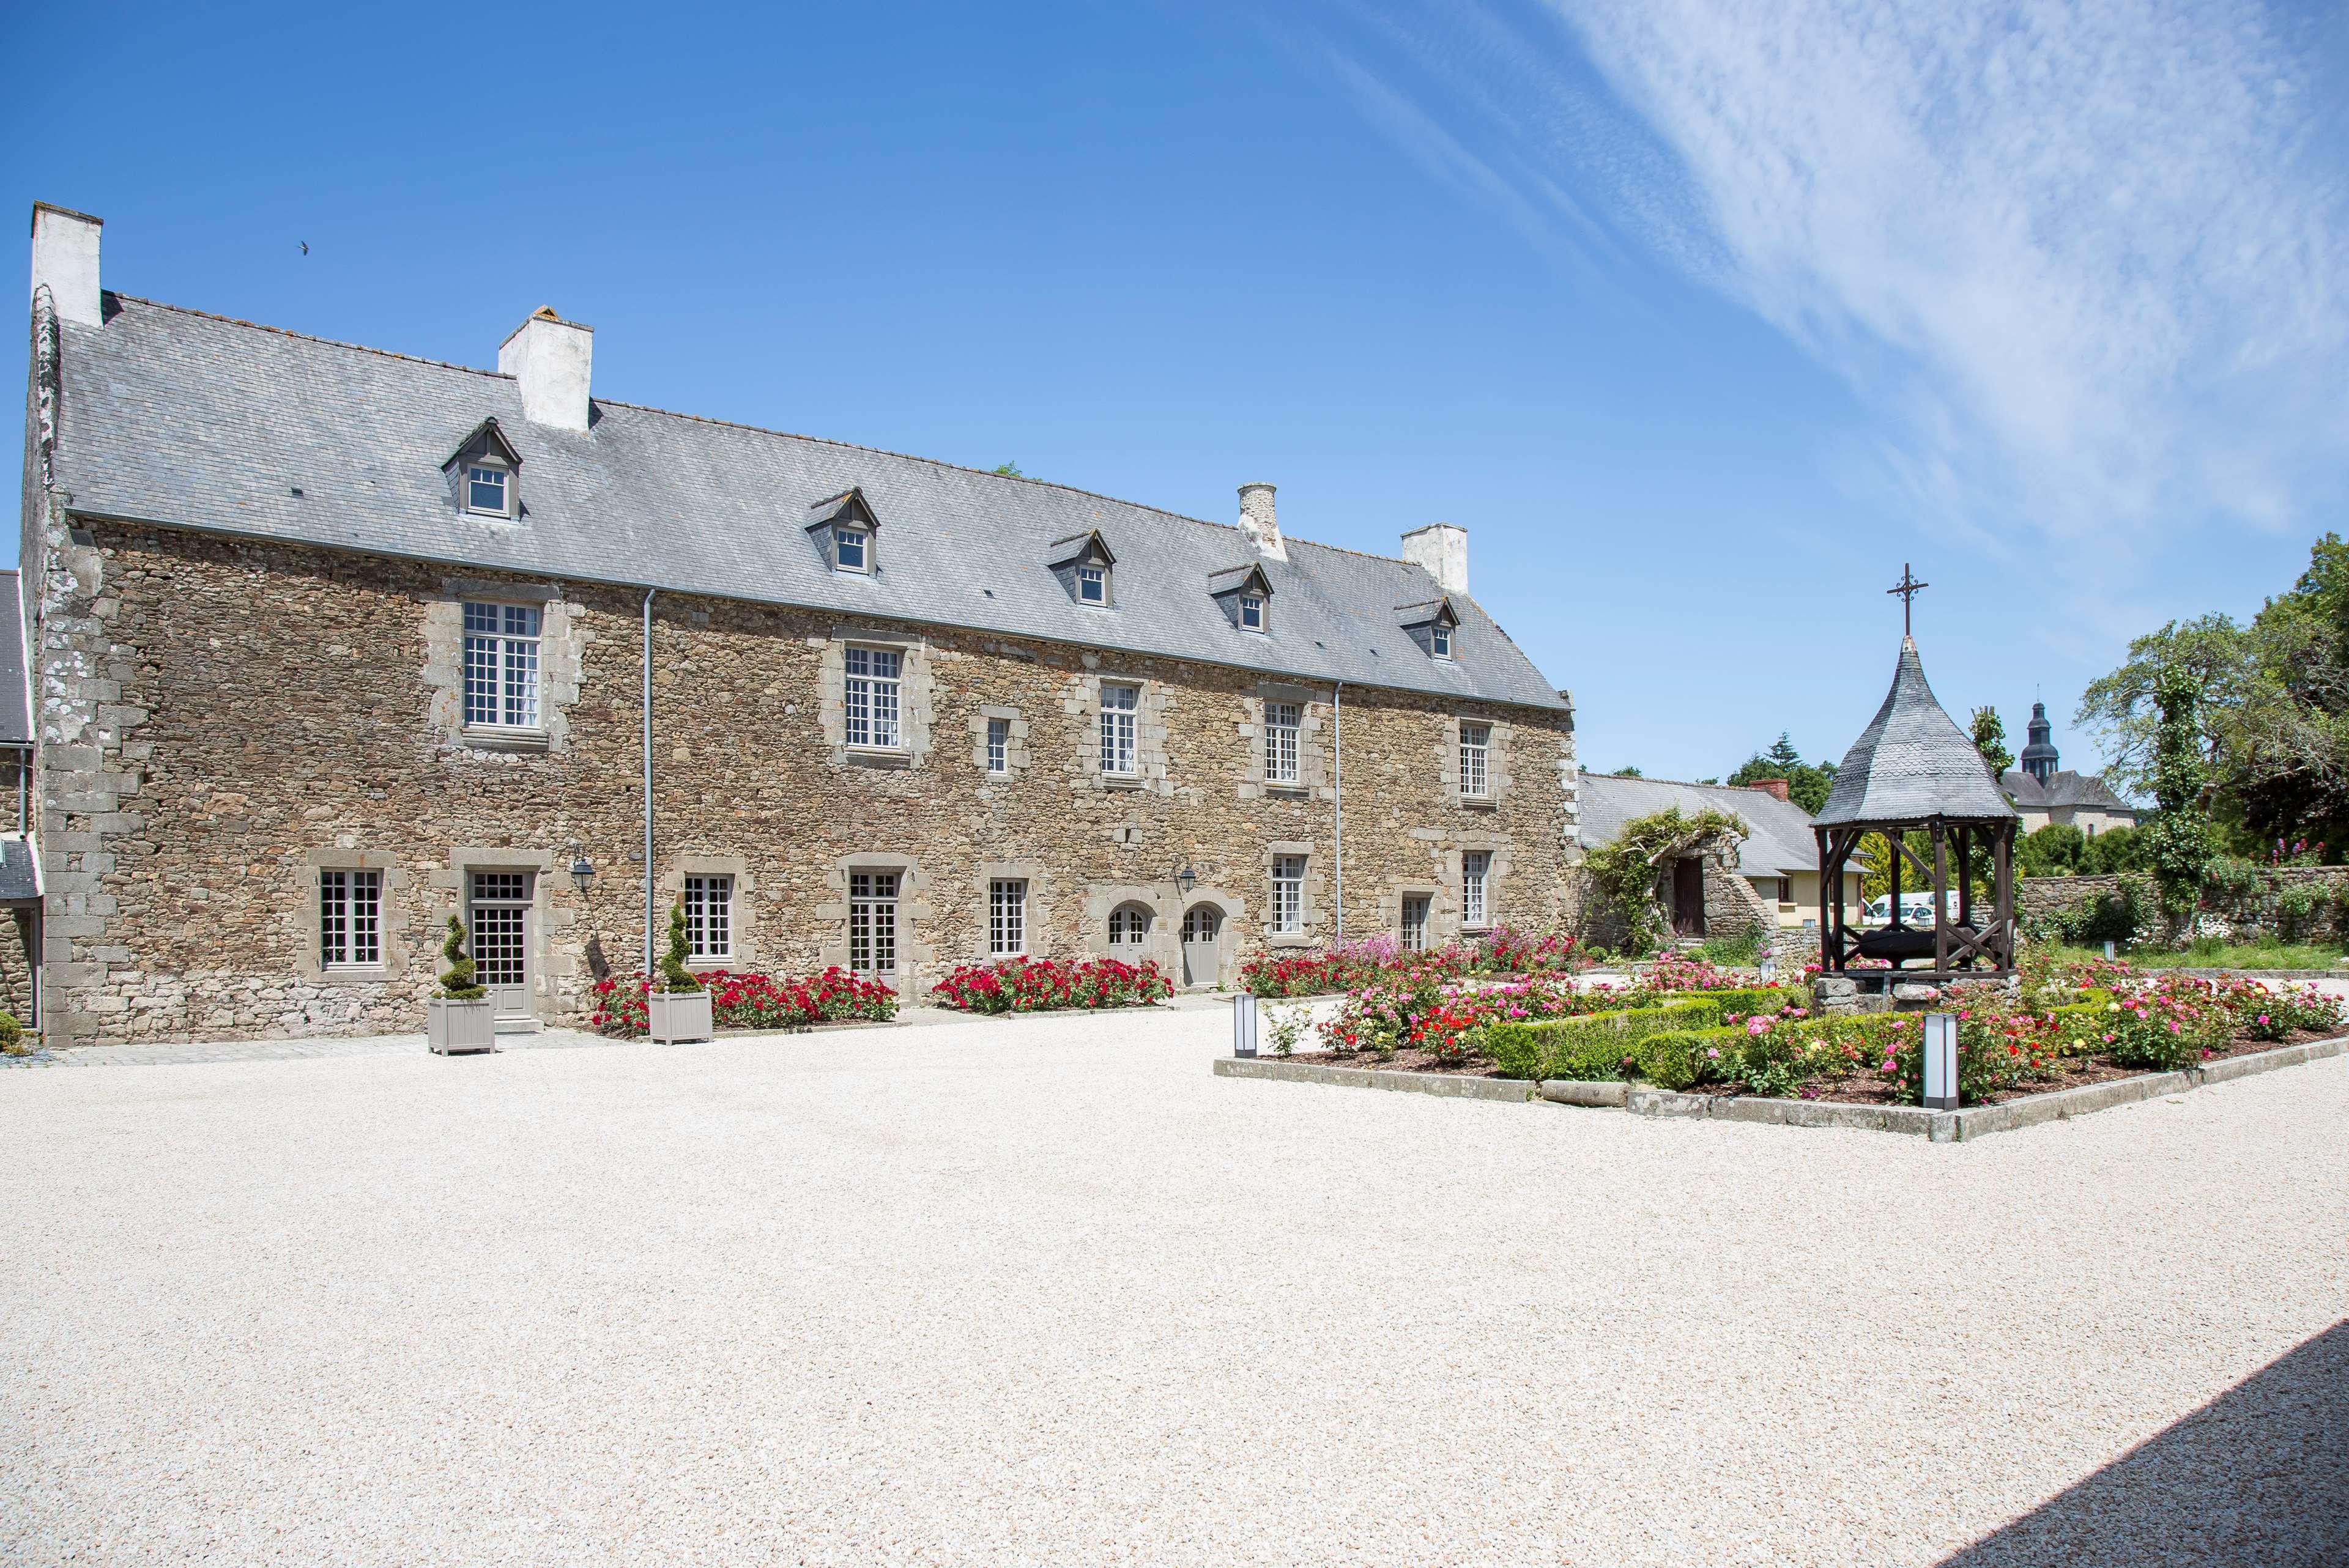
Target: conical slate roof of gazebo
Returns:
[[1913, 762]]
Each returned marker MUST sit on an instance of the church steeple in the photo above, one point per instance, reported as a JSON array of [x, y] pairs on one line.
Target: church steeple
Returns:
[[2039, 753]]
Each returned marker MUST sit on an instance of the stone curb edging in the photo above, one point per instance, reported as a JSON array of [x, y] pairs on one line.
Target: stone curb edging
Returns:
[[1938, 1126]]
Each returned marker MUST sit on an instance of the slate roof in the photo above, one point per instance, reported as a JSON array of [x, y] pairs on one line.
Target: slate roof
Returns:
[[20, 881], [16, 724], [2064, 788], [174, 416], [1912, 762], [1778, 841]]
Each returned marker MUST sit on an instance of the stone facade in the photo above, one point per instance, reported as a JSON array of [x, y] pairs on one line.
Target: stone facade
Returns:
[[222, 720]]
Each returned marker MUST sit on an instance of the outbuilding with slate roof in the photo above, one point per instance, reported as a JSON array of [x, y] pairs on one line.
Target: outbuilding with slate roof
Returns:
[[335, 643]]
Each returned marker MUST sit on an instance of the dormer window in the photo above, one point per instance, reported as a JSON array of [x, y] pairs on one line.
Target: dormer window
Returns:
[[848, 548], [1434, 625], [1092, 585], [1439, 640], [1082, 562], [1251, 612], [1244, 594], [486, 490]]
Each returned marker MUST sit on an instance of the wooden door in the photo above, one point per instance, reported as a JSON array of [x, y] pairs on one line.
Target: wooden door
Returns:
[[1687, 897], [500, 908], [1203, 926]]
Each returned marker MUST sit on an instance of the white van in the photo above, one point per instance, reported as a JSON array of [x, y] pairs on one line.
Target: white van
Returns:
[[1916, 908]]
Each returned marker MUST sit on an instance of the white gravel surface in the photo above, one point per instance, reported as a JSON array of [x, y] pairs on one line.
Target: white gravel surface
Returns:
[[1045, 1291]]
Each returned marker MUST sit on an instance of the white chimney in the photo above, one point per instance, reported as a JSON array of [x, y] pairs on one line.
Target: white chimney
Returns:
[[1443, 549], [65, 261], [1257, 522], [550, 357]]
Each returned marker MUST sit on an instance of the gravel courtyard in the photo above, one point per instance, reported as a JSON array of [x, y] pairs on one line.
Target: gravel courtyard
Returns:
[[1044, 1291]]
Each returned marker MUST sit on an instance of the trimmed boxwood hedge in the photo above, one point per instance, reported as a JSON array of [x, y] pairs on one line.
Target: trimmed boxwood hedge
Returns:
[[1677, 1058], [1593, 1047]]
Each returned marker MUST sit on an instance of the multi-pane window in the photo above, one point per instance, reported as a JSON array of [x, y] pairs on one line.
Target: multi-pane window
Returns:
[[873, 922], [708, 919], [999, 745], [1439, 640], [1128, 924], [872, 696], [1006, 917], [1251, 613], [1475, 760], [848, 549], [1119, 708], [1414, 921], [350, 919], [502, 666], [502, 928], [1281, 724], [485, 490], [1092, 585], [1475, 879], [1288, 894]]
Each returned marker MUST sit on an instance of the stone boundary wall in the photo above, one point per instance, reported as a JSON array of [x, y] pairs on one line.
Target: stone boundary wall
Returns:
[[2036, 897]]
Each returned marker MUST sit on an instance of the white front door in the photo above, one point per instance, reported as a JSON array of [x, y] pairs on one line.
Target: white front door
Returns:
[[500, 907], [1202, 954]]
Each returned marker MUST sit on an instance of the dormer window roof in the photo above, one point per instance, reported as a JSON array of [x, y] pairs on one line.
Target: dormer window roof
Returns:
[[484, 473], [1244, 593], [1086, 567], [846, 532], [1434, 625]]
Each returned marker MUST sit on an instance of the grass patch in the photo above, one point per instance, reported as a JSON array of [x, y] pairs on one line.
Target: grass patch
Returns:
[[2209, 954]]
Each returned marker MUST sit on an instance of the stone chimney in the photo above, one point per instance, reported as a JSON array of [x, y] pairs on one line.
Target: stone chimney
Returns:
[[1443, 549], [550, 357], [1257, 522], [1774, 788], [65, 261]]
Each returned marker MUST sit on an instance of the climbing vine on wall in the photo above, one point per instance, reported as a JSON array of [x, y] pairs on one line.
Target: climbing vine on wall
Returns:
[[1628, 874]]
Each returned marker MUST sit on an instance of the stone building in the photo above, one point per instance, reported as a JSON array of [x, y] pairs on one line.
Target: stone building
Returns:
[[2042, 791], [1773, 882], [330, 643]]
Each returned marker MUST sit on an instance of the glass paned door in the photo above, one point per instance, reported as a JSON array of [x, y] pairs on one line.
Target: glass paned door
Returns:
[[500, 905]]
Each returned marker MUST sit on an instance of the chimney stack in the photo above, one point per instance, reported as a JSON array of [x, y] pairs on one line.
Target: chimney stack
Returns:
[[550, 357], [1443, 549], [65, 261], [1257, 522], [1774, 787]]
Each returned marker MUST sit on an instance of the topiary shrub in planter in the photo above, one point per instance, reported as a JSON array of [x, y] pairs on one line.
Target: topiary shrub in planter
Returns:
[[677, 1011], [461, 1021]]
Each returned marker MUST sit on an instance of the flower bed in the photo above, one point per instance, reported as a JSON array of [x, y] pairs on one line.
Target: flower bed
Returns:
[[1377, 960], [743, 1000], [1046, 985]]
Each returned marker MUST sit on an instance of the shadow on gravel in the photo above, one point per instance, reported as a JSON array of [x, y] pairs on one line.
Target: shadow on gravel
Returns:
[[2260, 1475]]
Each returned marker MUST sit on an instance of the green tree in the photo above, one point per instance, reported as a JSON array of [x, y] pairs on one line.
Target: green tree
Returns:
[[675, 975], [1009, 471], [2178, 843], [457, 982], [1630, 773], [1806, 786], [1990, 739], [2114, 850], [2058, 849]]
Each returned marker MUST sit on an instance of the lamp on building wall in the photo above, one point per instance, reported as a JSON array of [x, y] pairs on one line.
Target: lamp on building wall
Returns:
[[1185, 880], [583, 870]]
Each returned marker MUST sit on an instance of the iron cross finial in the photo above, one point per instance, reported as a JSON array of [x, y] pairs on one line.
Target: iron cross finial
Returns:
[[1907, 588]]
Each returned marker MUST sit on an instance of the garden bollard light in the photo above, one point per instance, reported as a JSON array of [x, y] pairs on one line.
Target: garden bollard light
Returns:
[[1244, 1024], [2108, 951], [1940, 1061]]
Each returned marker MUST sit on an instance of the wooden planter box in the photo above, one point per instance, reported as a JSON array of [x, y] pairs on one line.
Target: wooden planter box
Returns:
[[461, 1028], [674, 1018]]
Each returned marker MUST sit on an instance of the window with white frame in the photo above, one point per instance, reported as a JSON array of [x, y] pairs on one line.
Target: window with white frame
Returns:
[[852, 549], [502, 667], [708, 919], [1475, 885], [1251, 612], [1414, 921], [999, 745], [350, 919], [1475, 760], [488, 490], [871, 694], [1128, 924], [1093, 584], [1120, 707], [1006, 917], [873, 922], [1288, 894], [1439, 640], [1280, 727]]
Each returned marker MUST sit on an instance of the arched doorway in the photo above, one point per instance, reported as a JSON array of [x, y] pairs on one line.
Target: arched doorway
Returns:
[[1129, 932], [1202, 953]]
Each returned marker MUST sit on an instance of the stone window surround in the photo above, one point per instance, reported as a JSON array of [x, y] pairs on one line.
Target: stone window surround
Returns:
[[562, 645], [1454, 902], [916, 692], [1151, 703], [1497, 763], [1036, 921], [1398, 888], [915, 911], [1312, 916], [1015, 744], [547, 965], [669, 887], [392, 932], [1312, 756]]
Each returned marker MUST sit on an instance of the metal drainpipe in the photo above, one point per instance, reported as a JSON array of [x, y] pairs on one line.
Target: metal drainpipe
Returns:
[[1338, 745], [648, 780]]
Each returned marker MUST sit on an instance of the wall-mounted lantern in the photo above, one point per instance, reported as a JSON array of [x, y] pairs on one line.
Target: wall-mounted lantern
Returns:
[[583, 870], [1185, 880]]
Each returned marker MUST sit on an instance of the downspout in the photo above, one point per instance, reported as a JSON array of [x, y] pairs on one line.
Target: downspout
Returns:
[[648, 780], [1337, 746]]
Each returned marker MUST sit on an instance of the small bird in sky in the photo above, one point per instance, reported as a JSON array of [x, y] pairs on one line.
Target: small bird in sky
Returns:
[[306, 246]]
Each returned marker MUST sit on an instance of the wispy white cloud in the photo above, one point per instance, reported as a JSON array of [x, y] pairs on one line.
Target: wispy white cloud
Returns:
[[2086, 259]]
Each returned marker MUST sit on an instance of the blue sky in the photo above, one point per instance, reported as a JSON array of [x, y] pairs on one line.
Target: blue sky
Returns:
[[1701, 327]]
